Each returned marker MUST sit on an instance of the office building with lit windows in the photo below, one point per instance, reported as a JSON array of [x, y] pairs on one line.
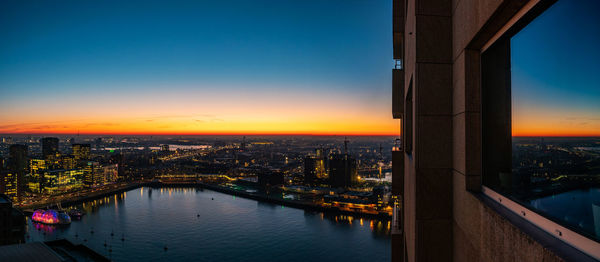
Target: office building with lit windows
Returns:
[[91, 174], [81, 151], [9, 184], [315, 168], [57, 181], [35, 177], [12, 180], [95, 174], [67, 162]]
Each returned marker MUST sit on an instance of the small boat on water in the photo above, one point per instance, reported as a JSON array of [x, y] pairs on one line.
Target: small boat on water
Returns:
[[76, 213], [51, 217]]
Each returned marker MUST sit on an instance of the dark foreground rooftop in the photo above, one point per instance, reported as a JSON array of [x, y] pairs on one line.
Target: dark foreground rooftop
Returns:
[[58, 250]]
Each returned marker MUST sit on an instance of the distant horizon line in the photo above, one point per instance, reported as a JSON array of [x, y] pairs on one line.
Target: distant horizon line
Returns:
[[259, 134], [558, 136], [196, 134]]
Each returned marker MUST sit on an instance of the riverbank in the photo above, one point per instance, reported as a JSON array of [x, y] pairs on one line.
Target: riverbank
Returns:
[[293, 203], [73, 200], [254, 196]]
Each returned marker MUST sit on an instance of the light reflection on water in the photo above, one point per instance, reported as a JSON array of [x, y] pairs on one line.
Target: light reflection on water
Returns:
[[211, 226], [579, 209]]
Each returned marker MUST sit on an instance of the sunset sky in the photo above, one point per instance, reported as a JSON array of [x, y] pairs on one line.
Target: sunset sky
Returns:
[[556, 72], [308, 67], [246, 67]]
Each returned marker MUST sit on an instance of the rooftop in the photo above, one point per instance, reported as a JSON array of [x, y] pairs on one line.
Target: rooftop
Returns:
[[58, 250]]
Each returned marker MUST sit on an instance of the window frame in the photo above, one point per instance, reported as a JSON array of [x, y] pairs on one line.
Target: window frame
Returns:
[[521, 19]]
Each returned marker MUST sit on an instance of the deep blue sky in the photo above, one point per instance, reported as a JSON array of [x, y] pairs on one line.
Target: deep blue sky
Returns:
[[329, 41]]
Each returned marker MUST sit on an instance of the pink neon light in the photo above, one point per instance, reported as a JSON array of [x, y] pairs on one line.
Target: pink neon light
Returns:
[[46, 217]]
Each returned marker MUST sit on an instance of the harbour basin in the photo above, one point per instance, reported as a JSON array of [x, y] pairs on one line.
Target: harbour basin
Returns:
[[191, 224]]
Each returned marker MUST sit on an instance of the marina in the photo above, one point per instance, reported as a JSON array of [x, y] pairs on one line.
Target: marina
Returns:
[[185, 222]]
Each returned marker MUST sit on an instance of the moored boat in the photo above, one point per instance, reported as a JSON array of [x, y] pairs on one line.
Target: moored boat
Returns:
[[51, 217], [76, 213]]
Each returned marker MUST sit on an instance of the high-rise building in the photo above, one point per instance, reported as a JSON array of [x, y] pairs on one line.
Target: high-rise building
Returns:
[[342, 170], [13, 179], [315, 168], [118, 160], [81, 151], [453, 95], [18, 157], [322, 163], [310, 170], [49, 147], [110, 173], [9, 184], [35, 178], [92, 173]]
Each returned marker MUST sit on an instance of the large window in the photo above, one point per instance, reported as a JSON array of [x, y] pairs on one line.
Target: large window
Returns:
[[541, 114]]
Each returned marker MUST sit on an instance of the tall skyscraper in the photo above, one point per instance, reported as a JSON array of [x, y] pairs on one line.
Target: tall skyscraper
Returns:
[[49, 147], [35, 181], [81, 151], [310, 173], [18, 157], [13, 179]]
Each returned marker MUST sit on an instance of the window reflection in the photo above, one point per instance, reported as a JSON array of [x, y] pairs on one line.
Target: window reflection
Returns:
[[553, 100]]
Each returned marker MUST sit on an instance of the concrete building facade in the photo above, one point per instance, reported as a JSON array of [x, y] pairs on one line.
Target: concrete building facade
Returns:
[[437, 96]]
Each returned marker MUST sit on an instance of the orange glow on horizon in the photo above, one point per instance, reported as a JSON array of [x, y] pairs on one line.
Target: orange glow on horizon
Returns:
[[557, 132], [211, 133], [531, 120], [283, 113], [556, 135], [347, 127]]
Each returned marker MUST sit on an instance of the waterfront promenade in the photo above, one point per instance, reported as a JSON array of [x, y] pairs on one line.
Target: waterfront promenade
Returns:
[[72, 199]]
